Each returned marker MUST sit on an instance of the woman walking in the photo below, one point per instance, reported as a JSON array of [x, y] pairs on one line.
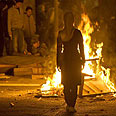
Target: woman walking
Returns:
[[70, 57]]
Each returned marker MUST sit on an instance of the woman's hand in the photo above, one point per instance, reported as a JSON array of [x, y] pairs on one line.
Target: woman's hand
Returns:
[[83, 63], [10, 35], [59, 69]]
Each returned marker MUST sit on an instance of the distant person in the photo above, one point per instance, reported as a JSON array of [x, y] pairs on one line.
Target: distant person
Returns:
[[16, 26], [2, 5], [29, 27], [70, 57], [7, 42], [42, 22], [41, 16], [38, 49], [50, 39]]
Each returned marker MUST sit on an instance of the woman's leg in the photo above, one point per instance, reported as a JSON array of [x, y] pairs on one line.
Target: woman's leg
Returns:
[[70, 94]]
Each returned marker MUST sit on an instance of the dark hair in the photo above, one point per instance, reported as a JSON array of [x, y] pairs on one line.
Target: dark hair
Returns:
[[4, 1], [67, 14], [35, 38], [19, 1], [28, 8]]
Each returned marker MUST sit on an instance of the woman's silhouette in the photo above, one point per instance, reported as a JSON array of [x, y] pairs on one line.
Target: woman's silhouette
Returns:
[[70, 57]]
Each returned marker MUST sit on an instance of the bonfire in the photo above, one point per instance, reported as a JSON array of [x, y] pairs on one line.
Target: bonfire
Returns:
[[92, 67]]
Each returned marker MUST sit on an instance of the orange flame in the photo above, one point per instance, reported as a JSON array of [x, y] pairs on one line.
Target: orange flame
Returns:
[[53, 83], [86, 29]]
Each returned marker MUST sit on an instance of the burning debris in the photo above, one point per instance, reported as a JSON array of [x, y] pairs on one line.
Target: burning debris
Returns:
[[93, 68], [93, 51], [53, 87], [11, 104]]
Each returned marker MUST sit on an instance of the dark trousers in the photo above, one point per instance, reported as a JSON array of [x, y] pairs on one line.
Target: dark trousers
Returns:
[[70, 94], [1, 45], [28, 42], [8, 45], [18, 40]]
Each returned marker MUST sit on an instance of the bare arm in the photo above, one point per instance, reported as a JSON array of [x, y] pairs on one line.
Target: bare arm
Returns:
[[34, 24], [9, 23], [81, 47], [59, 47]]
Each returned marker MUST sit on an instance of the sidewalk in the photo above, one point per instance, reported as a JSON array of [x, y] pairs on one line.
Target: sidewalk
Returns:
[[22, 76]]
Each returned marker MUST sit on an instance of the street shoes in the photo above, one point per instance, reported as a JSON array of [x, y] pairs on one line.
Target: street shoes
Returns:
[[70, 109]]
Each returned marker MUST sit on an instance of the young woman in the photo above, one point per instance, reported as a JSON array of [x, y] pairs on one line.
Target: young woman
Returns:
[[70, 57]]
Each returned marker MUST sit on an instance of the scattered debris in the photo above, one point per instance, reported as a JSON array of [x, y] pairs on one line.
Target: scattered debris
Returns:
[[112, 99], [97, 99], [4, 77], [2, 74], [102, 110], [38, 96], [29, 92], [55, 108], [2, 91], [39, 99], [50, 96], [12, 104], [86, 114]]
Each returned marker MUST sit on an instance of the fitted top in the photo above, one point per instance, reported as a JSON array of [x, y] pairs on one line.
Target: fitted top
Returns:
[[70, 51]]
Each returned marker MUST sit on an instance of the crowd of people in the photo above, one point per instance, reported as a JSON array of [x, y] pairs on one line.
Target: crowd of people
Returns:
[[18, 30]]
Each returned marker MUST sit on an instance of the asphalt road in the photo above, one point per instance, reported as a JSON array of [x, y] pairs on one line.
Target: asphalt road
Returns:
[[21, 101]]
